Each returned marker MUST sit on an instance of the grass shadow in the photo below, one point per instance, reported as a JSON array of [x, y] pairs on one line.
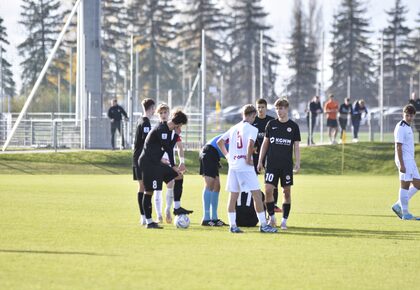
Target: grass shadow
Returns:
[[16, 168], [85, 161], [353, 233], [51, 252]]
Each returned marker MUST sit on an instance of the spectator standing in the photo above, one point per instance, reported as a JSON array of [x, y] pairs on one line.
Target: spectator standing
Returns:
[[358, 109], [331, 109], [115, 114]]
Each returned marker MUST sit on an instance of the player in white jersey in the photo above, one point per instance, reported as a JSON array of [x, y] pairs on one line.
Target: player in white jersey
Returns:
[[241, 174], [406, 163]]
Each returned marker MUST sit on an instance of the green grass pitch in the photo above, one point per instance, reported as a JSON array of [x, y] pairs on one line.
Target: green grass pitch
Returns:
[[82, 232]]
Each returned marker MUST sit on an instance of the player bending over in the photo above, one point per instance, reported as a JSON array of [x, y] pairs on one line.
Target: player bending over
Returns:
[[241, 174], [282, 137], [209, 168], [157, 142]]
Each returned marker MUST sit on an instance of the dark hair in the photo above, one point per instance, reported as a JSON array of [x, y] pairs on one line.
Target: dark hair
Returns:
[[179, 117], [261, 102], [409, 109], [331, 96], [282, 102], [147, 103]]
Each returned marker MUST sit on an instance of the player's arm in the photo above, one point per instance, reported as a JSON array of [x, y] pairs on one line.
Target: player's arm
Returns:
[[124, 112], [297, 156], [263, 151], [181, 156], [222, 146], [249, 152], [400, 157]]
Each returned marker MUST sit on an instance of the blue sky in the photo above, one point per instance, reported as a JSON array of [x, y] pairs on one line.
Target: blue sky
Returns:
[[279, 18]]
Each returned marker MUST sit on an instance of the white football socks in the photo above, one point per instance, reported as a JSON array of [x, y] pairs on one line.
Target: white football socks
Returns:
[[411, 192], [403, 200], [232, 219], [158, 202], [169, 199], [261, 218]]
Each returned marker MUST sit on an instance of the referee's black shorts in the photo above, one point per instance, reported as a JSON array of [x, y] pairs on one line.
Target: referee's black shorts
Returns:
[[209, 161]]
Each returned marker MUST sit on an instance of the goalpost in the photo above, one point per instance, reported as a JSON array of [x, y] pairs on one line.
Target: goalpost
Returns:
[[41, 76]]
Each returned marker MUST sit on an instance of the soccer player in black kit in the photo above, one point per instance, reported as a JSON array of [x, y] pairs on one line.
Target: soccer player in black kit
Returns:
[[282, 137], [260, 122], [157, 142], [142, 130]]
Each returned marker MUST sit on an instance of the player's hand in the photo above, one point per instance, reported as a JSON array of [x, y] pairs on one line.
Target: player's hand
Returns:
[[402, 169], [260, 167], [296, 169], [176, 169], [165, 161], [249, 161], [182, 168], [112, 120]]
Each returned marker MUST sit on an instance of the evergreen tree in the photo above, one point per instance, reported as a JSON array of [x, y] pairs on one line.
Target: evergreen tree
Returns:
[[247, 23], [6, 75], [303, 55], [416, 57], [42, 21], [114, 38], [351, 53], [155, 30], [397, 57], [199, 15]]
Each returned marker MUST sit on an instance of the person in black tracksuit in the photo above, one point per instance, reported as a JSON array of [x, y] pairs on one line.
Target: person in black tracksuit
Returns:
[[356, 117], [314, 108], [142, 130], [157, 142], [345, 110], [115, 113]]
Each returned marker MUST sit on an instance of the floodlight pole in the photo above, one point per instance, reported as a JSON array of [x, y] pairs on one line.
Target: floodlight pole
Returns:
[[261, 64], [381, 91], [41, 76], [253, 93], [1, 77], [203, 87], [71, 78]]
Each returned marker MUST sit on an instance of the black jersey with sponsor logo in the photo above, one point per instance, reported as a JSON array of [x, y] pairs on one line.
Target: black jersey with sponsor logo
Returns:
[[261, 124], [143, 129], [158, 141], [282, 137]]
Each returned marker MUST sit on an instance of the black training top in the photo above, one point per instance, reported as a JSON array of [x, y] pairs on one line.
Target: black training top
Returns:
[[345, 110], [116, 112], [282, 136], [158, 141], [143, 129], [261, 124]]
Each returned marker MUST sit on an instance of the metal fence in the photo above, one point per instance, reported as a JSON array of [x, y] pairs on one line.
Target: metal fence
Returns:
[[62, 130]]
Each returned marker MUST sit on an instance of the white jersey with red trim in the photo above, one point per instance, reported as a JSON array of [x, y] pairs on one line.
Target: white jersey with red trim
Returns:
[[239, 136]]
